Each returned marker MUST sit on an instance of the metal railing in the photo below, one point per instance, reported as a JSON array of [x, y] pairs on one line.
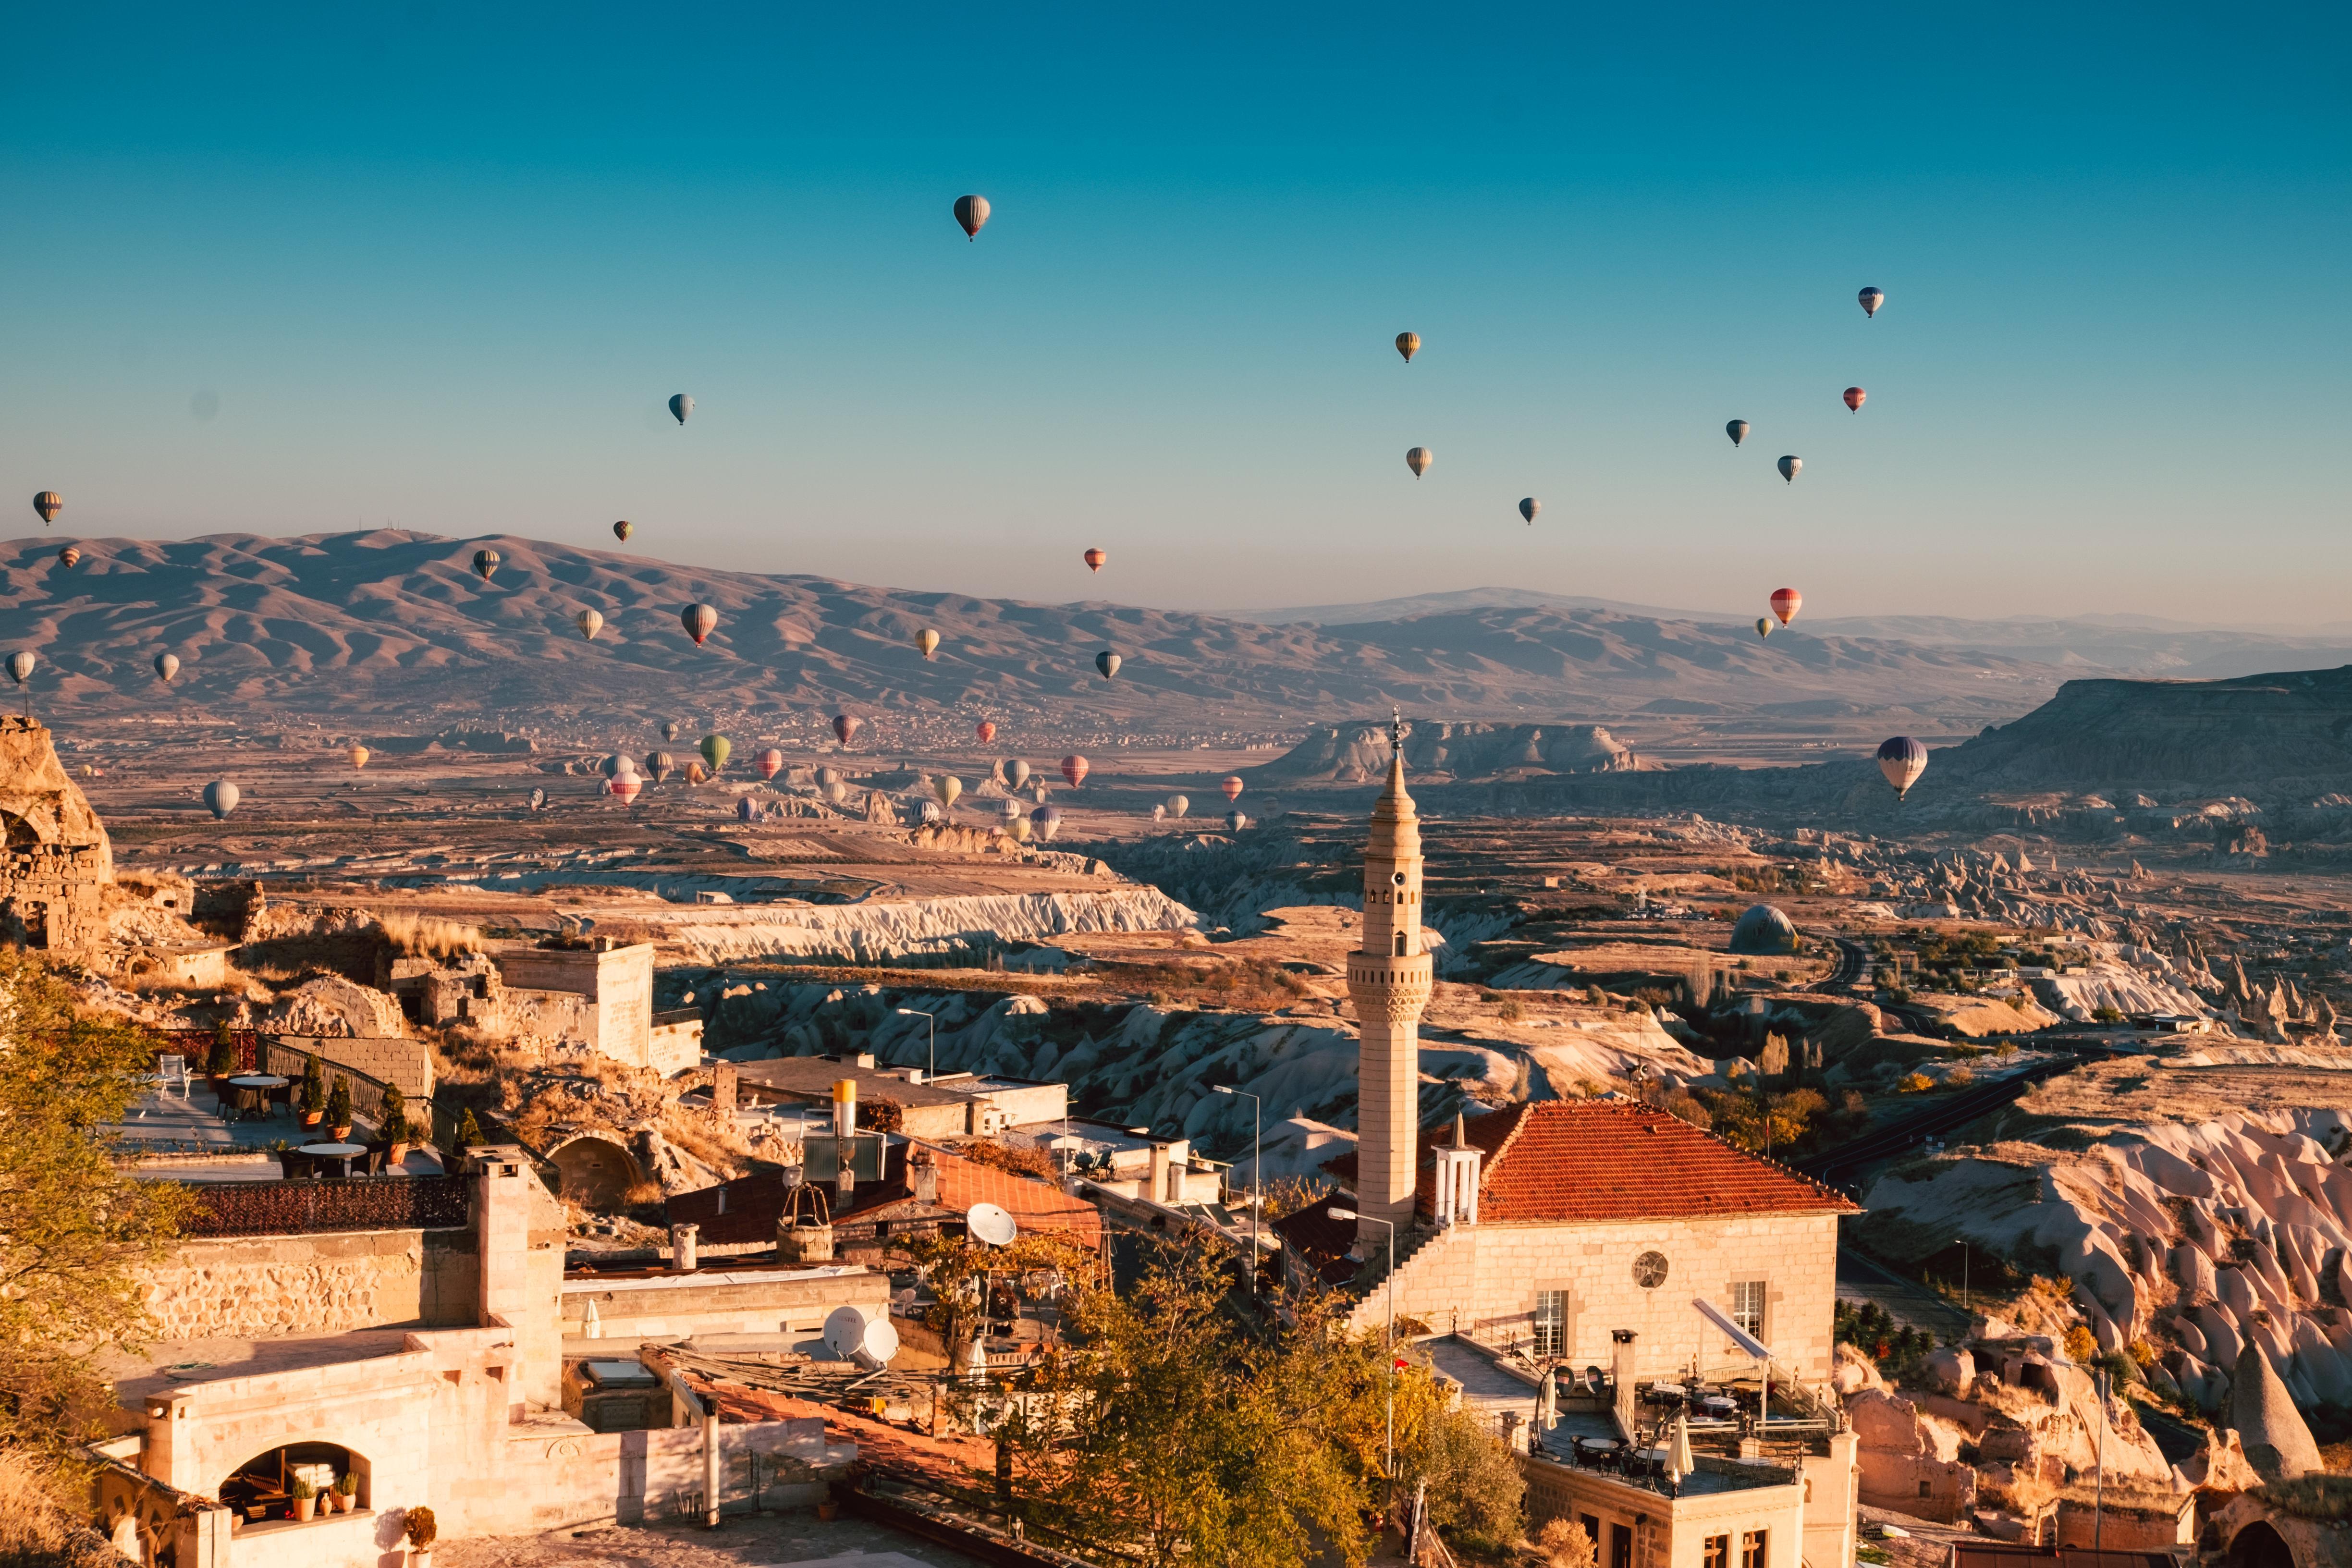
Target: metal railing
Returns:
[[327, 1204]]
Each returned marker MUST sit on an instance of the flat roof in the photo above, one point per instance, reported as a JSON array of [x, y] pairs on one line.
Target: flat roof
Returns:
[[816, 1076]]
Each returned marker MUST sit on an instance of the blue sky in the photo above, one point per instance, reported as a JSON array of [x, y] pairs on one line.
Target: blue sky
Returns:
[[298, 270]]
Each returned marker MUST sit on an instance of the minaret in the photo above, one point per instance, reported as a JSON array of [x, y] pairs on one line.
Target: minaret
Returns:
[[1388, 979]]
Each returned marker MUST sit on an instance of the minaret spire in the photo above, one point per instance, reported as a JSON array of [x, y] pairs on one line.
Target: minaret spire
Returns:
[[1389, 978]]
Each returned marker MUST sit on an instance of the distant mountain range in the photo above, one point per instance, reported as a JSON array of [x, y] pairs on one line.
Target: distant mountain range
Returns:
[[390, 630], [2131, 645]]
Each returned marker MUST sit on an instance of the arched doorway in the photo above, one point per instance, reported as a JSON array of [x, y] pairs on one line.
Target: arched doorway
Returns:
[[262, 1490], [595, 1172], [2260, 1546]]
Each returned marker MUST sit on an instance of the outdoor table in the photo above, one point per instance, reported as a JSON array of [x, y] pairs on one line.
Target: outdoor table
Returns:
[[1596, 1451], [253, 1093], [1666, 1394], [345, 1152], [1719, 1405]]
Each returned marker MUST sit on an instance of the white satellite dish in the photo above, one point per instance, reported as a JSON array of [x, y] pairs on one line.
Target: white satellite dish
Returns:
[[853, 1336], [991, 1224]]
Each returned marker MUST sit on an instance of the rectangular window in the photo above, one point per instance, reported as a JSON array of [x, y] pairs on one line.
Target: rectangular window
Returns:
[[1591, 1523], [1751, 1549], [1551, 1324], [1621, 1546], [1718, 1553], [1748, 1306]]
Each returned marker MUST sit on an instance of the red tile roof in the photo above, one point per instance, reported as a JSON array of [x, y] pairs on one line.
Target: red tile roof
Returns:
[[1584, 1161], [753, 1203]]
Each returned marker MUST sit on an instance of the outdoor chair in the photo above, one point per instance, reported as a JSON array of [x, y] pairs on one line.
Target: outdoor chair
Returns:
[[171, 1070]]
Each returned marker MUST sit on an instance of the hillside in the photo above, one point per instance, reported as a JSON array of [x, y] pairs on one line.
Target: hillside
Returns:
[[392, 627]]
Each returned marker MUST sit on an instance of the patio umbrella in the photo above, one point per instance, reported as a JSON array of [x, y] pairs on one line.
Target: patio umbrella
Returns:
[[1548, 1404], [1679, 1462]]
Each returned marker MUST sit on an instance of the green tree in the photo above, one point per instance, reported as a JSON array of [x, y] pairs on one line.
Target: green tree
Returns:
[[314, 1083], [339, 1102], [222, 1060], [74, 1228], [469, 1131], [391, 1115]]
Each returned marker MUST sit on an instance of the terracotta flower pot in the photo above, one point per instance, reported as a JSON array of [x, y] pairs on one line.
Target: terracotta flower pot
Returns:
[[305, 1507], [311, 1118], [340, 1134], [827, 1511], [399, 1152]]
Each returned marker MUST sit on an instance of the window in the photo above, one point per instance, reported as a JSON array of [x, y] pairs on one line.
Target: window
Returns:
[[1751, 1549], [1591, 1523], [1551, 1324], [1400, 952], [1926, 1490], [1621, 1546], [1718, 1553], [1748, 1306]]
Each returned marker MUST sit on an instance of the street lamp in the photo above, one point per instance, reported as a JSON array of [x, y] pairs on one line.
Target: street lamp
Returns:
[[1391, 1226], [931, 1025], [1964, 1272], [1257, 1171]]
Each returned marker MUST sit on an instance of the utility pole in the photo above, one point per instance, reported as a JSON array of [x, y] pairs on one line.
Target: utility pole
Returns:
[[2099, 1492], [931, 1025]]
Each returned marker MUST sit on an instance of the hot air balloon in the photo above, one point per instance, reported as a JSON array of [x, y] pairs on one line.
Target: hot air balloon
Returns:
[[1047, 821], [681, 406], [20, 666], [715, 750], [590, 624], [70, 556], [669, 729], [1901, 759], [1763, 625], [1108, 662], [836, 791], [1233, 788], [1074, 770], [1020, 829], [1789, 467], [1529, 507], [485, 562], [1418, 461], [220, 798], [927, 642], [1871, 300], [48, 504], [946, 788], [972, 213], [697, 620], [623, 787], [1786, 602], [660, 765], [695, 774], [1853, 396], [828, 776], [622, 530], [538, 799], [985, 730], [1016, 773], [769, 763], [167, 666], [1408, 344], [359, 757], [1178, 806], [1235, 822], [1737, 430], [845, 725], [616, 764], [1095, 559], [1010, 810], [745, 810]]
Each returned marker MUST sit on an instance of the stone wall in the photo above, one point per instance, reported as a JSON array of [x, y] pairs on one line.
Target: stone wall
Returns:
[[615, 984], [405, 1063], [257, 1287], [54, 859], [717, 1303], [1482, 1279]]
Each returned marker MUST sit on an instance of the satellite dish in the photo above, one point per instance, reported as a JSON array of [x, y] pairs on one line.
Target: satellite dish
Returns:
[[989, 1224], [853, 1336]]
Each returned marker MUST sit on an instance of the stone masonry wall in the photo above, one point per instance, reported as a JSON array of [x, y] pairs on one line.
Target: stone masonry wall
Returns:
[[1483, 1278], [254, 1286], [405, 1062]]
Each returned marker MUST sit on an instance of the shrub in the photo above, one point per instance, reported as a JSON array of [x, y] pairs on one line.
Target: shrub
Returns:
[[1958, 1078], [222, 1061], [2082, 1349], [469, 1131], [314, 1083], [2107, 1014], [882, 1114], [1915, 1083], [303, 1490], [392, 1121], [419, 1526], [339, 1102], [1021, 1161], [1564, 1544], [1509, 1011]]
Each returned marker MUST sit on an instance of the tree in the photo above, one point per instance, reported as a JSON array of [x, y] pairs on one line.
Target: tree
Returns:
[[1565, 1546], [391, 1115], [1475, 1485], [469, 1131], [222, 1060], [339, 1102], [1774, 1060], [74, 1228], [314, 1083]]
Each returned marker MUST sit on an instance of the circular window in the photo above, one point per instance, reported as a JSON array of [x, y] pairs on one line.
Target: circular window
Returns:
[[1650, 1270]]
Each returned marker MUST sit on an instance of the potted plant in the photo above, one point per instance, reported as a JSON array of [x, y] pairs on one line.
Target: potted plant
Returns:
[[417, 1524], [220, 1065], [827, 1508], [392, 1123], [314, 1093], [305, 1499], [344, 1494], [339, 1109]]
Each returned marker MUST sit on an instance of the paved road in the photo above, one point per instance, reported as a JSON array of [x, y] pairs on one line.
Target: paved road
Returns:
[[1843, 1167], [1910, 1304], [1852, 966]]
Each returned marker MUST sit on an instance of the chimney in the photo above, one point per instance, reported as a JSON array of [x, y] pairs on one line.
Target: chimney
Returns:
[[922, 1178], [845, 1112], [1156, 1190], [682, 1259], [1622, 1373], [722, 1090]]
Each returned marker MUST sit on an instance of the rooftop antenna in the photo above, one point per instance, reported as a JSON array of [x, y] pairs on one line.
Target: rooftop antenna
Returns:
[[991, 1225]]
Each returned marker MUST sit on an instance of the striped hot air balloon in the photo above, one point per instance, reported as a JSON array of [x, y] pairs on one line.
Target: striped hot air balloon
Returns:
[[48, 504], [1233, 788], [1408, 344], [1737, 430], [769, 763], [985, 730], [1074, 770], [625, 787], [697, 620], [1786, 602], [1901, 759], [1790, 467], [972, 215], [1419, 460], [70, 557]]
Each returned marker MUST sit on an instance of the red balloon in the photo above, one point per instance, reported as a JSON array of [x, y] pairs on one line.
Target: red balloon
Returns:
[[1095, 559], [1786, 602], [769, 763], [1074, 770], [625, 786], [1853, 396], [985, 730], [1231, 787], [845, 725]]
